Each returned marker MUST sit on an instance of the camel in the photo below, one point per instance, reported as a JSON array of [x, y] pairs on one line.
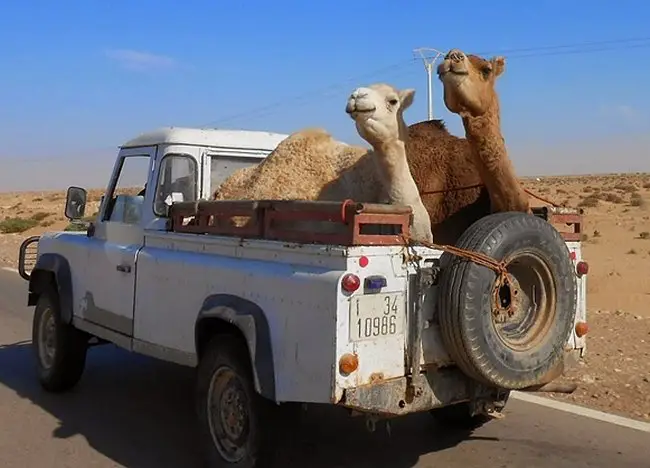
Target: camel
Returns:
[[311, 165], [451, 171]]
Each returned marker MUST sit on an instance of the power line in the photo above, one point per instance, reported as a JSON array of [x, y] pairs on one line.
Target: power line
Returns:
[[541, 51], [310, 94], [513, 53]]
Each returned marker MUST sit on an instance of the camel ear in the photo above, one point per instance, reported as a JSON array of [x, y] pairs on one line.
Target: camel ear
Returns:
[[498, 65], [406, 98]]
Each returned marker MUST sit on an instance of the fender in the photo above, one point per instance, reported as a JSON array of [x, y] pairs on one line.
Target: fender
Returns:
[[57, 265], [249, 318]]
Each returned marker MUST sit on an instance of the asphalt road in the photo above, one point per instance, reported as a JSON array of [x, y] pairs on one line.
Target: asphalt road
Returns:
[[131, 411]]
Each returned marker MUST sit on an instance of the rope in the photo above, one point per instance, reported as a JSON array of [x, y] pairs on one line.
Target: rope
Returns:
[[499, 267], [468, 187]]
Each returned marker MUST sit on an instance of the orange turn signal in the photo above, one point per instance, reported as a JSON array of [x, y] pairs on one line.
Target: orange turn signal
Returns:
[[581, 329], [348, 363]]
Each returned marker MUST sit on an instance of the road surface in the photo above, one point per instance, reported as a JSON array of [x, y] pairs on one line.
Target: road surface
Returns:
[[132, 411]]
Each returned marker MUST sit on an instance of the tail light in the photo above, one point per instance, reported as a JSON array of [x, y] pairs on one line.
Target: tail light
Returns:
[[582, 268], [350, 282]]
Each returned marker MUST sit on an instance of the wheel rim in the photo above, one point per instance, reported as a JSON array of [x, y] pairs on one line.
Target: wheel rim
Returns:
[[228, 414], [47, 339], [525, 308]]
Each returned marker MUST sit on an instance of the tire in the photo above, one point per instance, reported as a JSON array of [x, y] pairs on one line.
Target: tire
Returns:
[[475, 314], [225, 367], [59, 348]]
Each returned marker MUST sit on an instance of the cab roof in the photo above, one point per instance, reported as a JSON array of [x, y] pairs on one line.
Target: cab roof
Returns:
[[248, 139]]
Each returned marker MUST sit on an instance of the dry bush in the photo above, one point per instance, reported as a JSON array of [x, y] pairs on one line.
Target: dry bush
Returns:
[[16, 225], [40, 215], [589, 202], [644, 235], [588, 188], [637, 200], [631, 252], [626, 187], [646, 185], [596, 233], [612, 198]]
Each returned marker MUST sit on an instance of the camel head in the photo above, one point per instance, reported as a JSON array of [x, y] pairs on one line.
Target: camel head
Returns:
[[377, 111], [469, 82]]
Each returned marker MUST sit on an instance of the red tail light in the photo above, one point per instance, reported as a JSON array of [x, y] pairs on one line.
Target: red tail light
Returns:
[[350, 282], [582, 268]]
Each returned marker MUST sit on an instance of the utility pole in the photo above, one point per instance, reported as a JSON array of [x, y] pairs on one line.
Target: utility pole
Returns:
[[425, 53]]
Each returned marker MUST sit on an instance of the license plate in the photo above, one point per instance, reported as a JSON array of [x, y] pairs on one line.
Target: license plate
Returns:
[[376, 316]]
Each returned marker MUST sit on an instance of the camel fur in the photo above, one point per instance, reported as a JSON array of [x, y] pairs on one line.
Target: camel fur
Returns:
[[311, 165], [464, 179]]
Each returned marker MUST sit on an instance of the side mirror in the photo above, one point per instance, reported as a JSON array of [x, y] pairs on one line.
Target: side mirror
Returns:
[[75, 203]]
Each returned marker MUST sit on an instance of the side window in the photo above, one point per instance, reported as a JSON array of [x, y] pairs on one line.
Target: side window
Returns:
[[126, 202], [177, 181], [222, 167]]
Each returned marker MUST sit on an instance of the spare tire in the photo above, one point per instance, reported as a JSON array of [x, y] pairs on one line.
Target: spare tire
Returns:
[[512, 335]]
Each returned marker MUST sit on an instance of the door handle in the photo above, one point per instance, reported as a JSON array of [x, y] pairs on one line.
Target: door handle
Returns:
[[123, 268]]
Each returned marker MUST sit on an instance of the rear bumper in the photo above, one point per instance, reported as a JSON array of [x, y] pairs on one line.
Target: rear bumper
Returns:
[[434, 389]]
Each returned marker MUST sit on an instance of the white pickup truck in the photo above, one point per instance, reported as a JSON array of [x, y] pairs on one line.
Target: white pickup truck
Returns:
[[270, 314]]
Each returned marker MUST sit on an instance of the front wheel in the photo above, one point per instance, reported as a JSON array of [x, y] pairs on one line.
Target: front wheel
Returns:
[[230, 412], [59, 347]]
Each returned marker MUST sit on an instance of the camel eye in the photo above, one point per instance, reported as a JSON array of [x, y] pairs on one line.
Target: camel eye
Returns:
[[393, 102], [486, 70]]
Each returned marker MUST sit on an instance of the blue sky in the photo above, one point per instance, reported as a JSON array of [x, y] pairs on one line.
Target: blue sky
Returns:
[[78, 78]]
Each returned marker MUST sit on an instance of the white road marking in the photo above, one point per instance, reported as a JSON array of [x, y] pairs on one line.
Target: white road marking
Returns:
[[582, 411], [13, 270]]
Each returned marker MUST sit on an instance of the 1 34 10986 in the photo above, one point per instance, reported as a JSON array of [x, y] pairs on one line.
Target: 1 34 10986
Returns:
[[377, 315]]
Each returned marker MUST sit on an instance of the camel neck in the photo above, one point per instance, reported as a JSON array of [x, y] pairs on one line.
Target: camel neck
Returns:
[[396, 173], [491, 158]]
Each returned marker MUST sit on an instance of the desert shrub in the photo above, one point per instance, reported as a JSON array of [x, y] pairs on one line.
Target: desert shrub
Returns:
[[646, 185], [40, 216], [626, 187], [637, 200], [47, 223], [631, 252], [612, 198], [596, 233], [16, 225], [589, 202], [76, 227], [644, 235]]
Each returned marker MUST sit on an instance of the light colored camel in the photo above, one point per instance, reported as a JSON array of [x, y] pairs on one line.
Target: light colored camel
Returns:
[[464, 179], [311, 165]]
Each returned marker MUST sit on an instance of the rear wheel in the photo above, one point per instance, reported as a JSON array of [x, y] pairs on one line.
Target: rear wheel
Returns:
[[509, 335], [230, 411], [60, 348]]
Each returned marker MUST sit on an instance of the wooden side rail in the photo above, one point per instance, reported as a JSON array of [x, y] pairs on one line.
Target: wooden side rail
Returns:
[[341, 223], [561, 217]]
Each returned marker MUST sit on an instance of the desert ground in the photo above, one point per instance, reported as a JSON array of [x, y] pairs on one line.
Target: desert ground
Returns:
[[615, 374]]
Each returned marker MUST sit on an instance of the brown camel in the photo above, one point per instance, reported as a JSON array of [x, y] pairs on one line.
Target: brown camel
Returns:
[[464, 179]]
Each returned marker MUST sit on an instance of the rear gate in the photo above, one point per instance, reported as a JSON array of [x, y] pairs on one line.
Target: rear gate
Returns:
[[373, 321]]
